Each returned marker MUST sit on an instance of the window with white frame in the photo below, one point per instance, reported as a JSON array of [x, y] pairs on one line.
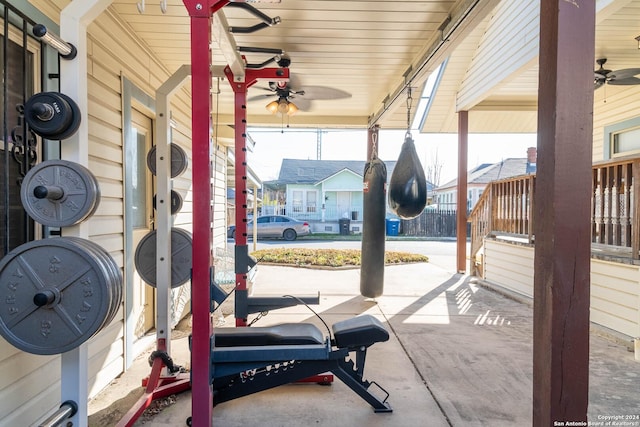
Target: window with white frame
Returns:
[[625, 142], [312, 201], [296, 202]]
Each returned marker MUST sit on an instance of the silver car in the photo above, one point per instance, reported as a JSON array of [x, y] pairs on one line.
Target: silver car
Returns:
[[278, 226]]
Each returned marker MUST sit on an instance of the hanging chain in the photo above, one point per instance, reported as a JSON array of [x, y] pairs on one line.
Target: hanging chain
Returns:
[[374, 146], [409, 101]]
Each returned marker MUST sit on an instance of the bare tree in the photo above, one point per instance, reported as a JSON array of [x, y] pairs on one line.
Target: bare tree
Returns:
[[433, 170]]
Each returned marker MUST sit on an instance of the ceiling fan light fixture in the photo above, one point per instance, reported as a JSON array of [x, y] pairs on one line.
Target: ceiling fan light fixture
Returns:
[[292, 109], [638, 40], [272, 107], [283, 106]]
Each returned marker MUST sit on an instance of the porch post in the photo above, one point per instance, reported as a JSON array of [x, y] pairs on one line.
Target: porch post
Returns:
[[74, 20], [461, 202], [562, 213]]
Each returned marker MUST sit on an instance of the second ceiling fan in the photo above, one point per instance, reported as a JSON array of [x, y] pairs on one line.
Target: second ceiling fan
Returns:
[[624, 77]]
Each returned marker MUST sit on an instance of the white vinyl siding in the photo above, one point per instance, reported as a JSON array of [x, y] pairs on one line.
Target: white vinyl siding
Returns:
[[615, 287], [509, 265], [517, 19]]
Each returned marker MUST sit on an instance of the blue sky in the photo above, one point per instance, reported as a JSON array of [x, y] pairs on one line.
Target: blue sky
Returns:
[[272, 145]]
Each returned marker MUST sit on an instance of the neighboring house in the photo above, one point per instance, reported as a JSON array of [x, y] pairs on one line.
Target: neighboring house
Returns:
[[445, 196], [322, 192]]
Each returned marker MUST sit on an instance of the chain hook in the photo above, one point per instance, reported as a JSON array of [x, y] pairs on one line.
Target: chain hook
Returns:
[[409, 102], [374, 146]]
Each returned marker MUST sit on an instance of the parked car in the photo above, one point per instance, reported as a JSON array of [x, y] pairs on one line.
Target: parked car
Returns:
[[279, 226]]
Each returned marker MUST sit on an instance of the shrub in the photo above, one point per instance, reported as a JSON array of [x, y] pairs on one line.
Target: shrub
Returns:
[[329, 257]]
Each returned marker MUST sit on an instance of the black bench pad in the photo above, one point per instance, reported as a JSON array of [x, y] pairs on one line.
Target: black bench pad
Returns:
[[359, 331], [283, 334]]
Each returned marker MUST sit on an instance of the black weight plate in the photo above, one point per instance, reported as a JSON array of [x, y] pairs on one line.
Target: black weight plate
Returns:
[[59, 117], [176, 202], [179, 160], [181, 257]]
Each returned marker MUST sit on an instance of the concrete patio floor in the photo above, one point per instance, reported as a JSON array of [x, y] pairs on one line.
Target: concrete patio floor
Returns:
[[459, 355]]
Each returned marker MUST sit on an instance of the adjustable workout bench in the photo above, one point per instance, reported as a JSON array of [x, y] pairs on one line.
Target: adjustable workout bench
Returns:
[[249, 360]]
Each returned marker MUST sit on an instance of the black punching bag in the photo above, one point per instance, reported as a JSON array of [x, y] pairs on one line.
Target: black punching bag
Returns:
[[408, 184], [373, 229]]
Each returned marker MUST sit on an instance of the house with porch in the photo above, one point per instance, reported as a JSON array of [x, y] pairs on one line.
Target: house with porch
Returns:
[[321, 192]]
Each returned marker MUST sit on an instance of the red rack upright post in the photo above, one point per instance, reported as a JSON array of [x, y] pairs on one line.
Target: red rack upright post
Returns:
[[201, 13]]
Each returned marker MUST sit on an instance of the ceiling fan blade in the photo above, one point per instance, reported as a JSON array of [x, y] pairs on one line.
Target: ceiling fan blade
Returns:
[[302, 103], [261, 97], [268, 89], [294, 83], [629, 81], [623, 74], [323, 92]]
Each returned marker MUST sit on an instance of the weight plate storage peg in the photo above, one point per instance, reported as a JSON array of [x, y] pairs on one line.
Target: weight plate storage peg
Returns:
[[59, 193], [179, 160], [181, 256], [52, 115], [57, 293]]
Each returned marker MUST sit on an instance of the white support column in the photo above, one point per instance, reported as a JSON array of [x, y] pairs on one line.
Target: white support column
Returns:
[[74, 20], [163, 205]]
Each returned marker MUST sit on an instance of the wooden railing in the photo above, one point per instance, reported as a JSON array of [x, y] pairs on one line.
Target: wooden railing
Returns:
[[506, 208]]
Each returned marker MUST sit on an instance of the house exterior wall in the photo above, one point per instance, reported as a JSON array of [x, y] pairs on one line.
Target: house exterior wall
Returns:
[[509, 265], [31, 386], [615, 287], [337, 195], [446, 197], [613, 105], [343, 181]]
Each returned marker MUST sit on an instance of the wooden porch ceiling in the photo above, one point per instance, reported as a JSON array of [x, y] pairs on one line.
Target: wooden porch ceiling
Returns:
[[361, 47]]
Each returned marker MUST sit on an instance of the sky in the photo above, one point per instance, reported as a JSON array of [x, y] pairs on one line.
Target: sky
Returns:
[[272, 145]]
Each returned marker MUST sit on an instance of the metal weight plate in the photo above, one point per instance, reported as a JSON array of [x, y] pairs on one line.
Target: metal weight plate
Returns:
[[113, 271], [52, 115], [59, 193], [176, 202], [179, 160], [181, 256], [56, 294]]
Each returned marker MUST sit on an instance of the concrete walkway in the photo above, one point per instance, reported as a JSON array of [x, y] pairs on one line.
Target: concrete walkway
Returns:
[[459, 355]]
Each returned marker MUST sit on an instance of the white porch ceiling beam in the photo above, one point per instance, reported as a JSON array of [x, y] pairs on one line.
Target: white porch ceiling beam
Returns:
[[464, 17]]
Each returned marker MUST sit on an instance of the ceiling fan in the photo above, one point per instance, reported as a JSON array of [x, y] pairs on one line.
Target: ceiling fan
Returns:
[[624, 77], [292, 96]]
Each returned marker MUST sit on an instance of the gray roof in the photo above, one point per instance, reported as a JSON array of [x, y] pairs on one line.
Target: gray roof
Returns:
[[486, 173], [296, 171]]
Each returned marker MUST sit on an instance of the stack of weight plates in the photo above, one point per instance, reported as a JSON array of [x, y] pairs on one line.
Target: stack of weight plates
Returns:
[[58, 293]]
